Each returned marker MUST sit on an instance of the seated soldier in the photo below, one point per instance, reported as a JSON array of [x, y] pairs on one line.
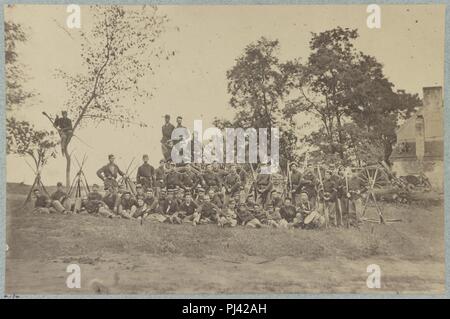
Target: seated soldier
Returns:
[[260, 214], [273, 216], [42, 204], [112, 200], [60, 201], [150, 200], [210, 178], [141, 208], [199, 196], [216, 196], [314, 220], [189, 210], [227, 216], [170, 209], [154, 206], [140, 191], [288, 214], [232, 182], [276, 199], [245, 215], [94, 204], [188, 180], [127, 205], [208, 211], [179, 195], [160, 177], [173, 177]]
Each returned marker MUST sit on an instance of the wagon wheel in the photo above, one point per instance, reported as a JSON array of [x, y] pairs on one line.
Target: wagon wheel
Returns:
[[370, 179]]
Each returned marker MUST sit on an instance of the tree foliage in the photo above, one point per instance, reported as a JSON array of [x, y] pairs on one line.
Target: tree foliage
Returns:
[[257, 85], [25, 140], [118, 52], [340, 85], [16, 96]]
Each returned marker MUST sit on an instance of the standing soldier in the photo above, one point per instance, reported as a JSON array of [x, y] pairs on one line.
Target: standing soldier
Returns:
[[166, 141], [355, 188], [146, 174], [263, 186], [330, 196], [108, 173], [308, 184], [339, 184], [296, 179], [279, 183]]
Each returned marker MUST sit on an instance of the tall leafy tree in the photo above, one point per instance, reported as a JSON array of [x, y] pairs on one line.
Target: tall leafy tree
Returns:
[[341, 85], [16, 95], [257, 85], [25, 141], [118, 52]]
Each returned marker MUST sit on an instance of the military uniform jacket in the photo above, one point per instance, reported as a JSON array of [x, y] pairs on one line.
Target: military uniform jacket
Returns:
[[109, 171]]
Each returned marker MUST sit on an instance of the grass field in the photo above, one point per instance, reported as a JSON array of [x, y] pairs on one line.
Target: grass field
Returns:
[[126, 257]]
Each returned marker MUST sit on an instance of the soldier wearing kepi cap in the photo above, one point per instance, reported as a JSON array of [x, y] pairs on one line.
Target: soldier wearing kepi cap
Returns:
[[146, 174], [108, 173]]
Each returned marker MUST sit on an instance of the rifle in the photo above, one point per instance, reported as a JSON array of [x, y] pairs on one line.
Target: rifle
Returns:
[[348, 199], [254, 182], [289, 181], [325, 209]]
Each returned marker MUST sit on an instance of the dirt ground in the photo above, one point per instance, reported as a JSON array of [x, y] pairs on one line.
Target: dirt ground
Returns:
[[122, 256]]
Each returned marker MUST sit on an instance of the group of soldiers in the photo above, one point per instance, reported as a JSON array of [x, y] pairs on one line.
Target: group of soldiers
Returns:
[[224, 194]]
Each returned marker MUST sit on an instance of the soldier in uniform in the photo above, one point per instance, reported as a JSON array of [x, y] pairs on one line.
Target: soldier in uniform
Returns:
[[160, 177], [227, 216], [263, 187], [289, 215], [64, 126], [166, 141], [60, 200], [190, 210], [308, 184], [173, 177], [296, 179], [145, 174], [339, 184], [188, 180], [42, 204], [209, 212], [210, 178], [112, 200], [170, 208], [355, 189], [151, 200], [108, 173], [127, 205], [94, 203], [232, 182], [329, 197]]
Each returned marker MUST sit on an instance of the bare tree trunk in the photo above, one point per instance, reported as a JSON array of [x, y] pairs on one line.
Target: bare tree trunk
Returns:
[[68, 160], [66, 154]]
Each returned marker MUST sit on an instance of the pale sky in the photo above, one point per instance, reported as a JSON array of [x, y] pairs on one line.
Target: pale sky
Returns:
[[207, 40]]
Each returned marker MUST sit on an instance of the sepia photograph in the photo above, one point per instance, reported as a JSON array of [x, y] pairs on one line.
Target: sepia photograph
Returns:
[[224, 149]]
